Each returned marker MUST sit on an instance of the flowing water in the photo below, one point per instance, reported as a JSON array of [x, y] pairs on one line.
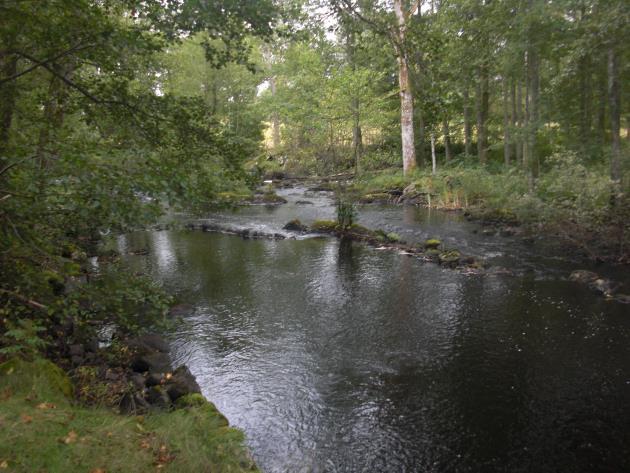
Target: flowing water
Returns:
[[337, 357]]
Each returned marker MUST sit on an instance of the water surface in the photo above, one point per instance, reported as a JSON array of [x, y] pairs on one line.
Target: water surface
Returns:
[[336, 357]]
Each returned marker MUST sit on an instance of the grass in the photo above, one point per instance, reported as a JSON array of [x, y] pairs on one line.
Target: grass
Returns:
[[42, 430], [571, 198]]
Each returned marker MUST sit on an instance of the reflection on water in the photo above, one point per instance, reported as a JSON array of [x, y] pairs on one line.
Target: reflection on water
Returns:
[[335, 357]]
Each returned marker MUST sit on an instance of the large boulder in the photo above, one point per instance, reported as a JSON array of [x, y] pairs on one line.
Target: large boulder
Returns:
[[155, 362], [181, 383], [158, 397], [148, 343]]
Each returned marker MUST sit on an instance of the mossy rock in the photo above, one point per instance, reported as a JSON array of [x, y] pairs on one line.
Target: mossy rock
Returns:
[[432, 243], [360, 230], [449, 258], [273, 198], [42, 374], [324, 226], [377, 197], [380, 235], [295, 225], [499, 215], [191, 400]]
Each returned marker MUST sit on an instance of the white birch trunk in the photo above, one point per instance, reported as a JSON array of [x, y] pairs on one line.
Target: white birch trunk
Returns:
[[433, 160], [406, 98]]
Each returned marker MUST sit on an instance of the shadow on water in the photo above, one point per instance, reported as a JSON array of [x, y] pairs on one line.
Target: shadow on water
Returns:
[[335, 357]]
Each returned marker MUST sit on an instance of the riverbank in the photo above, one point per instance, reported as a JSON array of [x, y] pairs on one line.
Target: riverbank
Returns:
[[569, 203], [45, 429], [86, 386]]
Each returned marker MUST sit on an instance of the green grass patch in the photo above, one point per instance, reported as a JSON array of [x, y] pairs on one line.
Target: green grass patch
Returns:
[[41, 430]]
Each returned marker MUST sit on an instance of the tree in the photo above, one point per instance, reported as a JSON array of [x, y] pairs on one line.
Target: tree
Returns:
[[396, 32]]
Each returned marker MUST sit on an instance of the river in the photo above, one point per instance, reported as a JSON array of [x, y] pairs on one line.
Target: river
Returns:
[[337, 357]]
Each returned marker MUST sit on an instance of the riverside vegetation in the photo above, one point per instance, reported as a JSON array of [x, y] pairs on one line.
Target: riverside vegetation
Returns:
[[112, 113]]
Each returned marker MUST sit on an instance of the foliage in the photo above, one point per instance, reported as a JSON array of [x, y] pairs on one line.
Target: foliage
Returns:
[[571, 198], [346, 213], [104, 124]]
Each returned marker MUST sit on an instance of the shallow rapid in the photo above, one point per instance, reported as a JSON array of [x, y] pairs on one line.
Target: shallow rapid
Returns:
[[336, 357]]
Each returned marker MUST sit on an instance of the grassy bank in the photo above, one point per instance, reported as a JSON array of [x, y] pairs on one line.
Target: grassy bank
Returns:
[[568, 200], [41, 429]]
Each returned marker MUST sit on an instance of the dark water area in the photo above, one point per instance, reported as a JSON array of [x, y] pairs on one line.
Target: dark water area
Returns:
[[337, 357]]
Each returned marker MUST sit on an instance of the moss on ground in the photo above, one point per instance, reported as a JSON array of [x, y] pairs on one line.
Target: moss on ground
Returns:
[[41, 430], [324, 226]]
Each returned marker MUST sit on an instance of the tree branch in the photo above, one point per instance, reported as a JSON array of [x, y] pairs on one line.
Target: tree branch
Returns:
[[24, 300], [41, 63], [414, 8], [17, 163]]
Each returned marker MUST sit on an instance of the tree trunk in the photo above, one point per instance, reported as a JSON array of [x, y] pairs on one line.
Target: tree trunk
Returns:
[[275, 119], [601, 110], [586, 97], [357, 136], [513, 119], [433, 160], [483, 99], [519, 118], [614, 99], [406, 97], [53, 116], [447, 140], [533, 99], [507, 141], [215, 96], [8, 68], [467, 124], [422, 149]]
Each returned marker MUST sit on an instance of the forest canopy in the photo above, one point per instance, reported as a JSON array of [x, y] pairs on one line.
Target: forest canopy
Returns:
[[113, 111]]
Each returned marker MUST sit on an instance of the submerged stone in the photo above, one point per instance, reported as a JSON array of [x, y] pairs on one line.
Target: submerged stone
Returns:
[[583, 276], [296, 226], [449, 258]]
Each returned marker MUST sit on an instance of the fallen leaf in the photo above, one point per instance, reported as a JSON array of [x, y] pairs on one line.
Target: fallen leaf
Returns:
[[46, 405], [70, 438], [4, 464], [26, 418]]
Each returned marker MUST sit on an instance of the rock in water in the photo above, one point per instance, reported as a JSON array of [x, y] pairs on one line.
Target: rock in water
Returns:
[[605, 286], [149, 343], [583, 276]]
